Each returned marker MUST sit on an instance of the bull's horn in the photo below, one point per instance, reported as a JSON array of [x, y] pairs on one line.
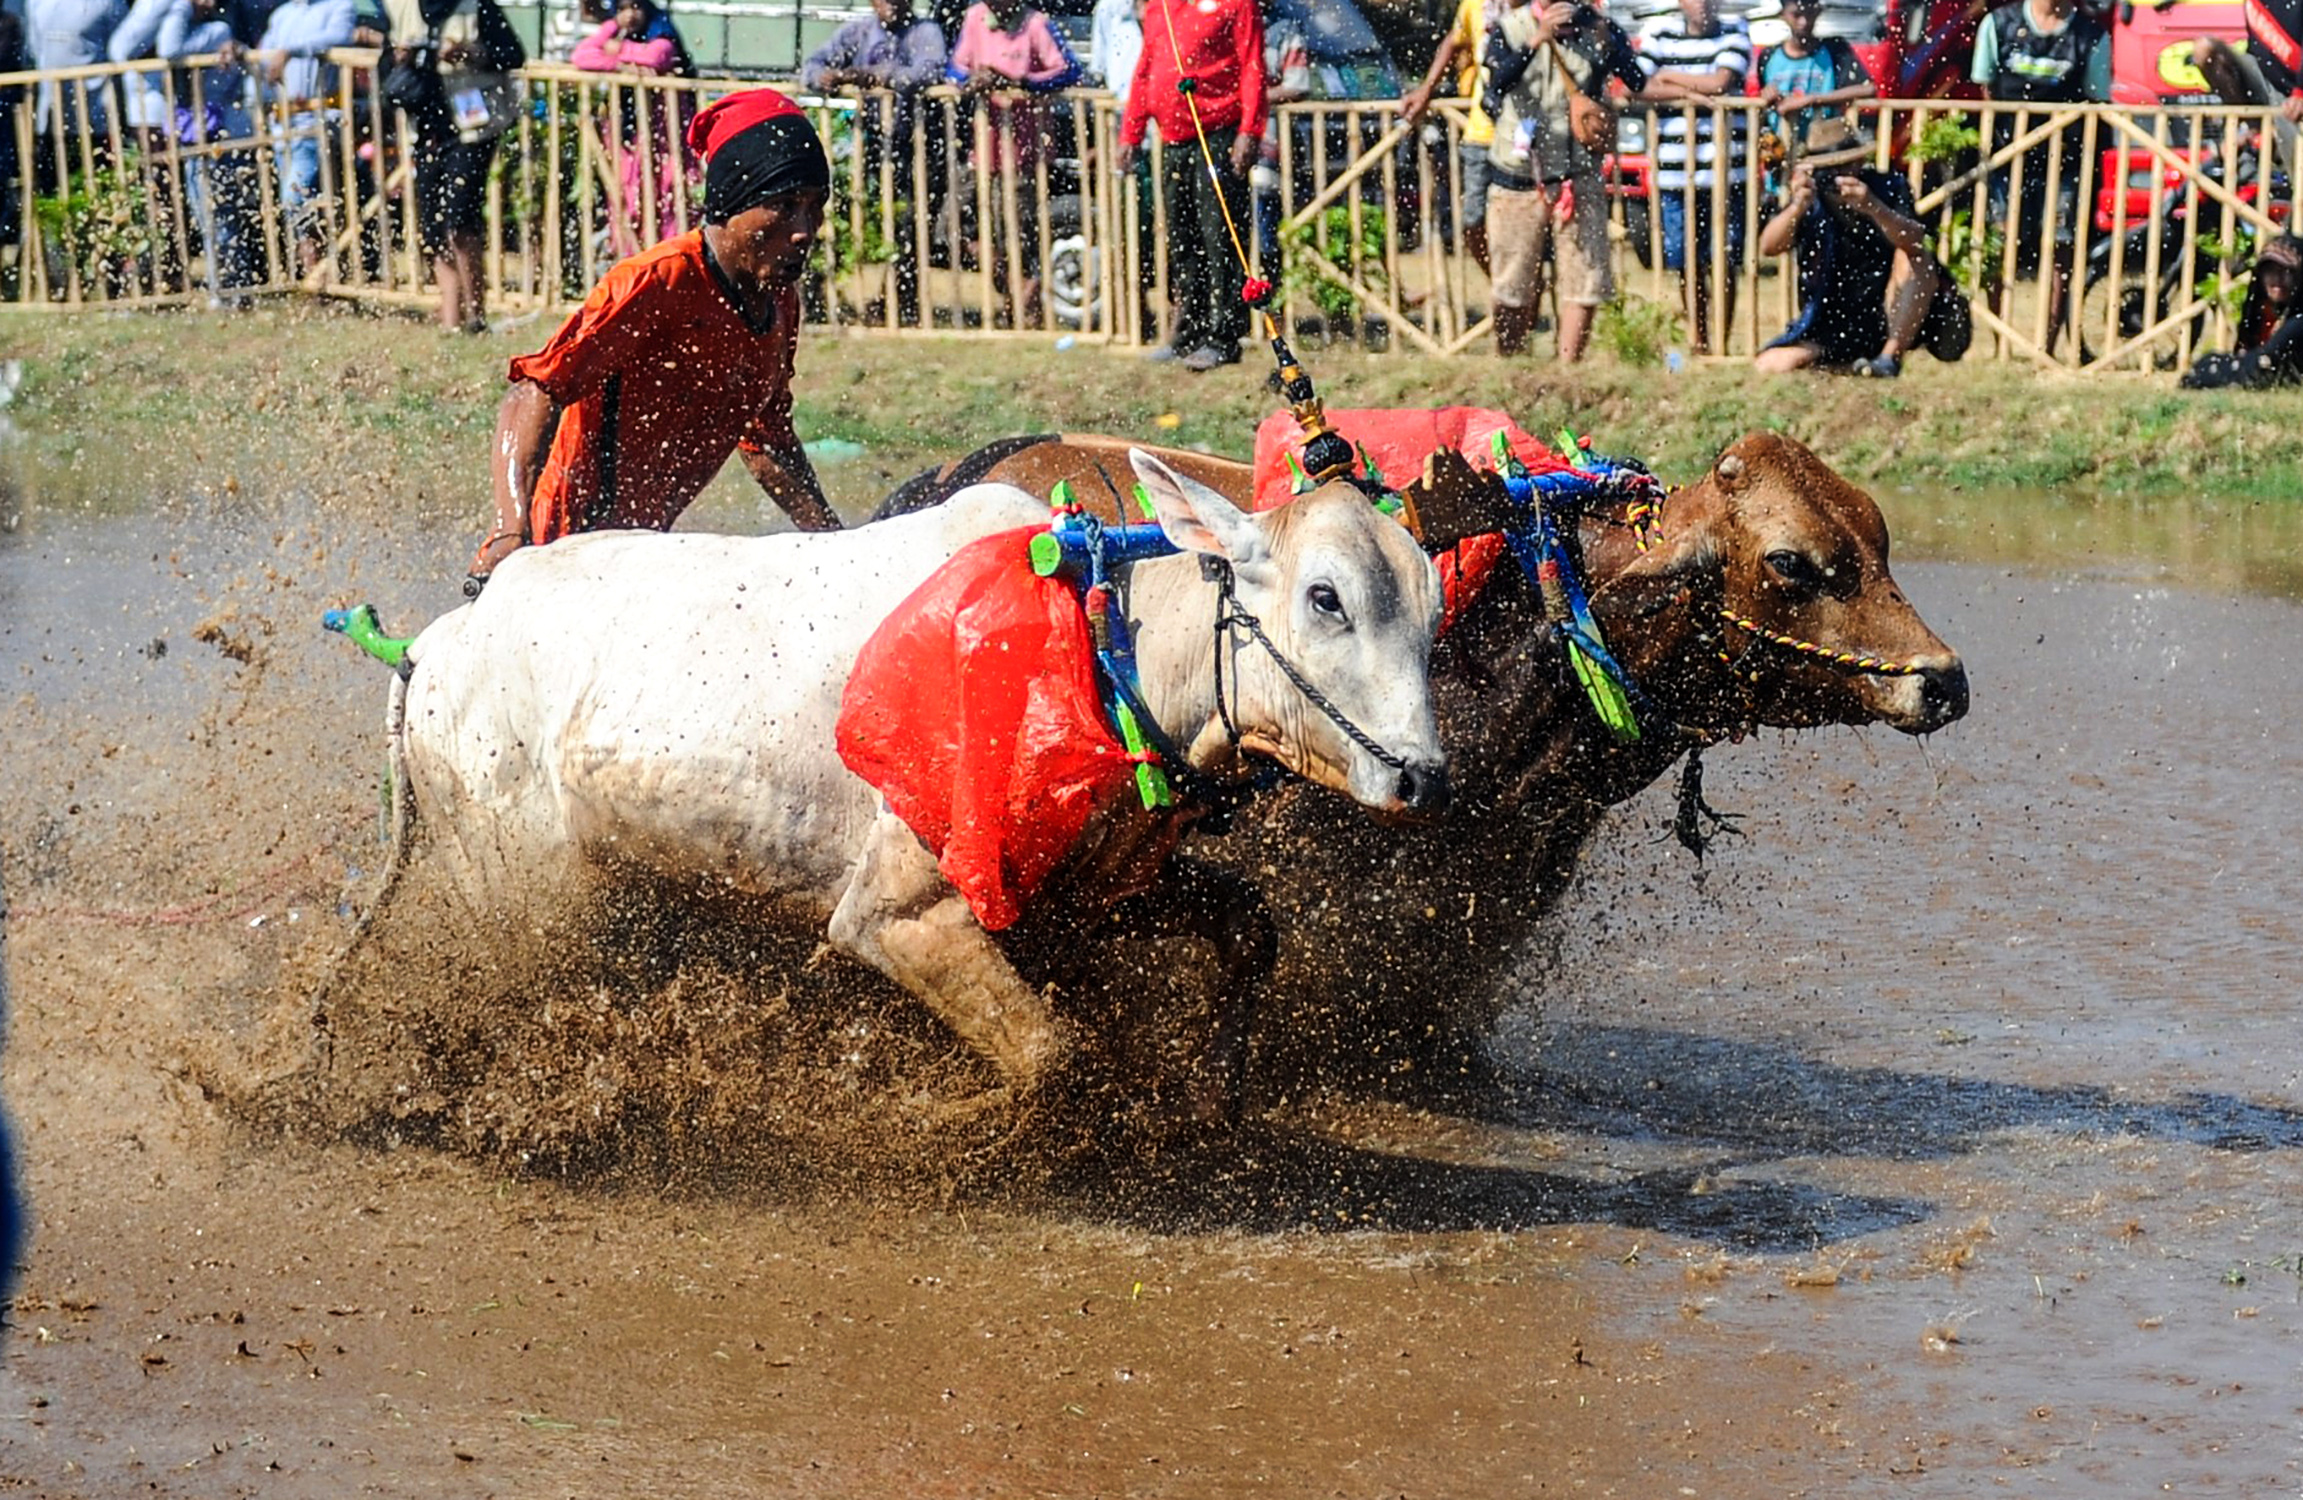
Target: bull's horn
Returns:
[[1730, 467], [1456, 500]]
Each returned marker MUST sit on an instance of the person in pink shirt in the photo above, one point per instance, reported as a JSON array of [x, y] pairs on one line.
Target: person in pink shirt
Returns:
[[1007, 46], [644, 136]]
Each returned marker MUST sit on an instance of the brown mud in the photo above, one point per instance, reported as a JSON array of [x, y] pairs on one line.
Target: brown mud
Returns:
[[1942, 1135]]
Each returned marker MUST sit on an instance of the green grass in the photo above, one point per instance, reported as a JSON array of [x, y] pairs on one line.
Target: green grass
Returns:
[[120, 408]]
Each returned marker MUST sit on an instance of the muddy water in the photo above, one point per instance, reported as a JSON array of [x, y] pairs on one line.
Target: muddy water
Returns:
[[1941, 1137]]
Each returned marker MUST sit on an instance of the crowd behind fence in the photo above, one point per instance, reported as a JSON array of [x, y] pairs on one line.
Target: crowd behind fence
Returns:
[[1002, 213]]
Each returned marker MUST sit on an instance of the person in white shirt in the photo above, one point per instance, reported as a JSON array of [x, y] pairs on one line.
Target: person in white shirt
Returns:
[[1691, 64], [1115, 41]]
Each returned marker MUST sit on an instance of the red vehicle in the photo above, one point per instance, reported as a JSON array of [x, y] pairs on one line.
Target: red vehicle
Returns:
[[1931, 42]]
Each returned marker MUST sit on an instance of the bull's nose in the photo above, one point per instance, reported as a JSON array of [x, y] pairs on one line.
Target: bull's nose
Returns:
[[1943, 694], [1424, 789]]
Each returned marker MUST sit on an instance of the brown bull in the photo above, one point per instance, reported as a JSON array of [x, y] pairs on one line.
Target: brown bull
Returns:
[[1757, 596]]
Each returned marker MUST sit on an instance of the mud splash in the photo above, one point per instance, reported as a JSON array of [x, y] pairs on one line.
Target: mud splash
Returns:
[[1942, 1134]]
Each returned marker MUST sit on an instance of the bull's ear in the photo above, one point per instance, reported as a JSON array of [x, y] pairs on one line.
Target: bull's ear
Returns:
[[1455, 500], [1197, 518]]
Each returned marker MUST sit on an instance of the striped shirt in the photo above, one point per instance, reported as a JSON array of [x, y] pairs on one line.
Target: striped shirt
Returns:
[[1667, 48]]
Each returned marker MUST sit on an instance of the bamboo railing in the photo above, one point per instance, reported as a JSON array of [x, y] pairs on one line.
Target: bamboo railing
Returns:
[[999, 215]]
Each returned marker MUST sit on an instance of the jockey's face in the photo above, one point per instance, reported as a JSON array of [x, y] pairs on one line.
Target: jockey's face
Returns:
[[768, 244]]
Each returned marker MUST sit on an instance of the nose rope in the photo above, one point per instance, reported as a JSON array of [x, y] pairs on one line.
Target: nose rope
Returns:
[[1644, 517], [1849, 661], [1228, 614]]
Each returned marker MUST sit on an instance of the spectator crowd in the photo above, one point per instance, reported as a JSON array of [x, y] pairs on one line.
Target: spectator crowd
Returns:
[[1526, 194]]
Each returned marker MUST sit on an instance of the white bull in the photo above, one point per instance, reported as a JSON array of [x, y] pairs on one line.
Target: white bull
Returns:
[[665, 704]]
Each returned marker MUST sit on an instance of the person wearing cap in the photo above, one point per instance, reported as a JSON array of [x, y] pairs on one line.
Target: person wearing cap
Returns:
[[1870, 290], [682, 354]]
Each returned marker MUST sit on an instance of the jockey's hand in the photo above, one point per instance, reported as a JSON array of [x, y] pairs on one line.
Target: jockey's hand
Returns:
[[1125, 162], [494, 550], [1413, 104], [1245, 149], [2291, 109]]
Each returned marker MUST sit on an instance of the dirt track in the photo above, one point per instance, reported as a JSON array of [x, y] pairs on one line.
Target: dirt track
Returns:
[[1943, 1137]]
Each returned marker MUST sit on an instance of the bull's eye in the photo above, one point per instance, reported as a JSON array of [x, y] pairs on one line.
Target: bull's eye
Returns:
[[1794, 568], [1325, 599]]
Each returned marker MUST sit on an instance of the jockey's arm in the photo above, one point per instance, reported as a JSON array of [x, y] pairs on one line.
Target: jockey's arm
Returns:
[[525, 425], [790, 480]]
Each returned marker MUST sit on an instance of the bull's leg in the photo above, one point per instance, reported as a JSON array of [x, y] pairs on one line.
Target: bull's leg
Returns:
[[1200, 900], [903, 918]]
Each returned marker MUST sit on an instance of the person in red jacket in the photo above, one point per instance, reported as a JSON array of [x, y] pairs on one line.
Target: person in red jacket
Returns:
[[681, 354], [1218, 46]]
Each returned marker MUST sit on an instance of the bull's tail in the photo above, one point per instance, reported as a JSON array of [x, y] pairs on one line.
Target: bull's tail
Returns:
[[932, 487], [400, 829]]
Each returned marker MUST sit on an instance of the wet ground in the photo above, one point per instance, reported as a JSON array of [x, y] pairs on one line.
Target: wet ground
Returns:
[[1944, 1137]]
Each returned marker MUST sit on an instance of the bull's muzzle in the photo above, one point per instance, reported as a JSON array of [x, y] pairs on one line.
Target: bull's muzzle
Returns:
[[1942, 695], [1424, 789]]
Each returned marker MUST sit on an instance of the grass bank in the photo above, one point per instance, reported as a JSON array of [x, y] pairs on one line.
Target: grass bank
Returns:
[[321, 398]]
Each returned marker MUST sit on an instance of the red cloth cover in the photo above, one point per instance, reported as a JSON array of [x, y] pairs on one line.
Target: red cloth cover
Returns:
[[1399, 439], [973, 710]]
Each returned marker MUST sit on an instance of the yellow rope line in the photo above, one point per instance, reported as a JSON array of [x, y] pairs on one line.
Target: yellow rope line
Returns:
[[1848, 659]]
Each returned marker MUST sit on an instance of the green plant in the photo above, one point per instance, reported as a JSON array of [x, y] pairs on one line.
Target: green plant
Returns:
[[102, 220], [1635, 330], [1969, 256], [1945, 137], [1331, 237], [2227, 288]]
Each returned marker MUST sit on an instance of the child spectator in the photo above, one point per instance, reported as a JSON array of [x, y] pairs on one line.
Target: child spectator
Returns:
[[651, 164], [1004, 46], [1809, 79]]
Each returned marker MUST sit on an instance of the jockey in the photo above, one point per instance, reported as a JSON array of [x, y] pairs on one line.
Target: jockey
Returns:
[[681, 354]]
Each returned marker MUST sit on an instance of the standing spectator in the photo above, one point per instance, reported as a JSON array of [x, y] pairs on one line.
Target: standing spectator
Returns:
[[1218, 44], [1005, 46], [2270, 351], [1116, 44], [1867, 281], [1286, 78], [72, 34], [893, 48], [296, 41], [1690, 64], [12, 60], [1115, 49], [2269, 72], [651, 168], [1464, 48], [220, 185], [473, 49], [248, 19], [1543, 184], [2043, 52], [891, 55], [680, 356], [1809, 79]]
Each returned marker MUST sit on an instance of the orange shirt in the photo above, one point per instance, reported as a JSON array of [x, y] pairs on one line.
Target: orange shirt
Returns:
[[662, 378]]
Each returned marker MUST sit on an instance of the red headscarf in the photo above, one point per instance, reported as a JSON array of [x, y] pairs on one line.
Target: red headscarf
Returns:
[[756, 145]]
